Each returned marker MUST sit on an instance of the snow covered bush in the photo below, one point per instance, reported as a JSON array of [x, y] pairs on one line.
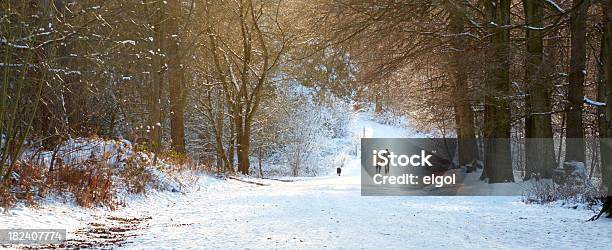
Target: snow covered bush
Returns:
[[567, 195], [88, 171], [569, 185], [88, 184], [297, 135]]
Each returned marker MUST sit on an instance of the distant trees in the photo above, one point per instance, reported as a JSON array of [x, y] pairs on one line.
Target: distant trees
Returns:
[[245, 47], [43, 98], [507, 66], [89, 68], [295, 130]]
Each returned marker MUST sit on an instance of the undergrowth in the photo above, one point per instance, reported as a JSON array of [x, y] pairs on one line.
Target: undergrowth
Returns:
[[571, 194], [91, 183]]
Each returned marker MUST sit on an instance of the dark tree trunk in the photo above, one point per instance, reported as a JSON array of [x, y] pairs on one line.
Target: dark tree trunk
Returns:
[[464, 116], [602, 120], [601, 87], [575, 147], [231, 147], [243, 151], [606, 143], [260, 162], [378, 108], [223, 162], [156, 83], [498, 158], [176, 78], [539, 146]]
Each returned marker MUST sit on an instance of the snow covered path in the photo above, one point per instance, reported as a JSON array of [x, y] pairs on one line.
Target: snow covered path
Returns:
[[329, 212]]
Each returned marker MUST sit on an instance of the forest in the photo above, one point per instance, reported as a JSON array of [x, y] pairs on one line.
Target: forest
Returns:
[[259, 89]]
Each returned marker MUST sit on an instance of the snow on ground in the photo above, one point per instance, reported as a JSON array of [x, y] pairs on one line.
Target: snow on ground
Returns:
[[329, 212]]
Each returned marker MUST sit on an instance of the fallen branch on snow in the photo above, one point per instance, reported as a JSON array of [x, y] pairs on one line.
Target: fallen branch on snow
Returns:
[[247, 181]]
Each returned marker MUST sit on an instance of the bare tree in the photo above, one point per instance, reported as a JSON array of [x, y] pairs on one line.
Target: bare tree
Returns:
[[243, 64]]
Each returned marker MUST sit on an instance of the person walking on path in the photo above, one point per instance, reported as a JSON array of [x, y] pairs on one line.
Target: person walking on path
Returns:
[[386, 154], [339, 169]]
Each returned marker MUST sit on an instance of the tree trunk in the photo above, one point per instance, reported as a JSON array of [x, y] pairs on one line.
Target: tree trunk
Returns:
[[223, 162], [464, 117], [574, 150], [602, 120], [601, 87], [260, 161], [231, 148], [606, 143], [176, 78], [242, 140], [498, 158], [378, 108], [243, 151], [156, 83], [539, 146]]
